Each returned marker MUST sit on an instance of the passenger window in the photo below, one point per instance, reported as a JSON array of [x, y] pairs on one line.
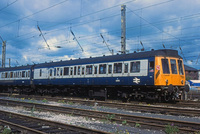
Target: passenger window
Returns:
[[61, 71], [180, 67], [74, 70], [66, 70], [135, 67], [28, 73], [165, 66], [110, 69], [11, 74], [3, 75], [54, 71], [79, 70], [58, 71], [102, 69], [125, 67], [95, 69], [151, 66], [71, 70], [50, 72], [23, 73], [83, 70], [6, 75], [173, 66], [117, 67], [89, 69]]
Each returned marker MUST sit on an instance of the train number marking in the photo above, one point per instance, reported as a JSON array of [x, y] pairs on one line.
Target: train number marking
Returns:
[[158, 67], [136, 80]]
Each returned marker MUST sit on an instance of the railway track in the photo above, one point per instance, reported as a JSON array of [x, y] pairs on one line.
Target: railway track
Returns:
[[131, 106], [145, 122], [26, 124]]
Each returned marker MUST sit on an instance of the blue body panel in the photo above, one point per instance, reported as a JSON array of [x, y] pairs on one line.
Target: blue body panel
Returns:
[[15, 82], [112, 81]]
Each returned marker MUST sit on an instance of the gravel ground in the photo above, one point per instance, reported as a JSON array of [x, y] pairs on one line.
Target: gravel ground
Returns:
[[92, 123], [82, 121]]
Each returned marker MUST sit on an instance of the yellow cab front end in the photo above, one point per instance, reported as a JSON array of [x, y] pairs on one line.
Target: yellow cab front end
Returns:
[[169, 75]]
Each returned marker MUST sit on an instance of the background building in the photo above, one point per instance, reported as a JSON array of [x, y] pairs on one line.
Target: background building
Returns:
[[191, 73]]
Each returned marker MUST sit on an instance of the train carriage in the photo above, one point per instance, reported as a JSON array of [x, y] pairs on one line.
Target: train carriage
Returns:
[[153, 74]]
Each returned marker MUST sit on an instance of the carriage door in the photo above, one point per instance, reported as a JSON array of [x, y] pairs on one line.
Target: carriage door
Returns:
[[32, 77], [151, 73]]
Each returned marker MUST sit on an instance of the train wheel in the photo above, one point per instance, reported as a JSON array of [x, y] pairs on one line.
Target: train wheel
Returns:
[[124, 97], [167, 97]]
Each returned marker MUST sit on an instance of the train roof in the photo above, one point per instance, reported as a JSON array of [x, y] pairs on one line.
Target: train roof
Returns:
[[16, 68], [111, 58]]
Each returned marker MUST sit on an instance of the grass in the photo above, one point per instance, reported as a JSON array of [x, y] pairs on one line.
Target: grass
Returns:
[[171, 129]]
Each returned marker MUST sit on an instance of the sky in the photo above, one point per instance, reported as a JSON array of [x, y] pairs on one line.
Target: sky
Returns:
[[38, 31]]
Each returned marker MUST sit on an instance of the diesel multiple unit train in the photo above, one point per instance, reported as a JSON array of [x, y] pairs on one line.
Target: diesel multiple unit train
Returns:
[[157, 74]]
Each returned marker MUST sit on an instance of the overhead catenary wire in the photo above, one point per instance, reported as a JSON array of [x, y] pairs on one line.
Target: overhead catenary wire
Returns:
[[76, 40], [111, 51], [43, 36], [98, 12], [34, 13], [77, 37], [8, 5]]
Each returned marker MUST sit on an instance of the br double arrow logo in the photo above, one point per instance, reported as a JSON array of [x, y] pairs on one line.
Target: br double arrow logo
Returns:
[[136, 80]]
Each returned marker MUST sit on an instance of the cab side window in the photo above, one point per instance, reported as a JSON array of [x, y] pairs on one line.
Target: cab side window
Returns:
[[165, 66], [173, 66], [180, 67]]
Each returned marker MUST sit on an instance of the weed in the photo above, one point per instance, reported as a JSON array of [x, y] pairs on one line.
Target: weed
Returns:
[[124, 122], [6, 130], [171, 129], [110, 117], [61, 101], [45, 100], [70, 103], [32, 111], [86, 118], [137, 125]]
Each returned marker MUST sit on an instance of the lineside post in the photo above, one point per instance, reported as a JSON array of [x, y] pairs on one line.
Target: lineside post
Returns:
[[123, 29], [3, 54]]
